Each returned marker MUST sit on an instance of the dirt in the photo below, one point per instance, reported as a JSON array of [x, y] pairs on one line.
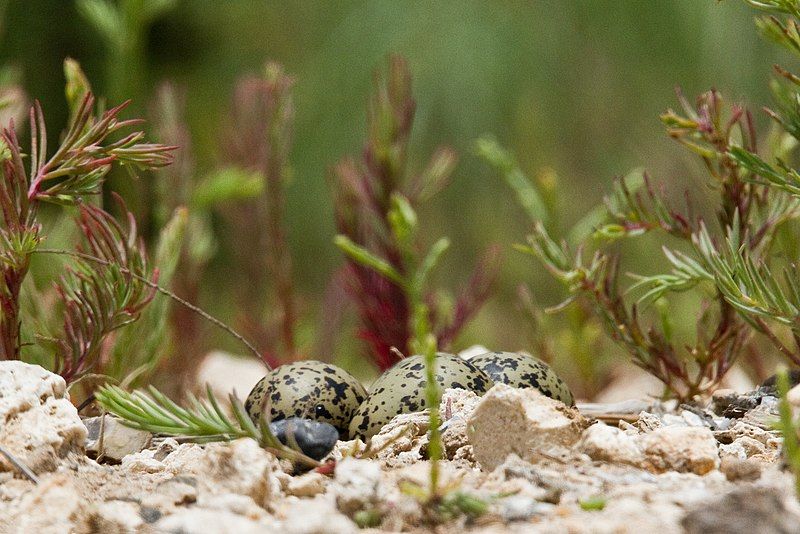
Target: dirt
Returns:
[[663, 469]]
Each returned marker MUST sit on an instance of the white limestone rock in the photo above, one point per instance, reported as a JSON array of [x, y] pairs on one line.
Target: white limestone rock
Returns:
[[38, 423], [524, 422], [109, 438]]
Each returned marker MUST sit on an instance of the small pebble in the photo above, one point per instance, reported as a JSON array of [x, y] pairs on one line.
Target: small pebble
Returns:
[[740, 470], [117, 440], [149, 515], [770, 385], [315, 439], [522, 508]]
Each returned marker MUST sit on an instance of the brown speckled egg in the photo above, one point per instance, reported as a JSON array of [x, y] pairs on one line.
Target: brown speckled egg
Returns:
[[522, 370], [401, 389], [310, 390]]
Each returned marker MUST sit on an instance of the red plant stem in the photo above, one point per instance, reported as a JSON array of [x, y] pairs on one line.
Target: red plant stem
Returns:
[[10, 327], [278, 257]]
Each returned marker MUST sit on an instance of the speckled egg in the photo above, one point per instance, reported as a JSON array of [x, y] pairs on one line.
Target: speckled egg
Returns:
[[521, 370], [401, 389], [310, 390]]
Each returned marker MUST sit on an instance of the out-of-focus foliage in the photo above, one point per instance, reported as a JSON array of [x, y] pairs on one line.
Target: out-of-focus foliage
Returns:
[[730, 263], [387, 275]]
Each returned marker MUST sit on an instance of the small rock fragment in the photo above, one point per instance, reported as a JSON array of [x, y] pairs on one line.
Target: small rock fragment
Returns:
[[401, 438], [234, 503], [647, 422], [202, 521], [523, 422], [115, 516], [26, 386], [306, 485], [742, 511], [149, 514], [455, 409], [239, 467], [522, 508], [794, 398], [729, 403], [682, 449], [742, 428], [315, 438], [182, 460], [357, 485], [175, 491], [316, 516], [736, 470], [722, 398], [419, 475], [609, 444], [763, 415], [520, 478], [53, 506], [165, 448], [742, 448], [117, 440]]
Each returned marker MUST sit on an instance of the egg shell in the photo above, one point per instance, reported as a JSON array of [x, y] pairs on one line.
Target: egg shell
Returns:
[[310, 390], [401, 389], [521, 370]]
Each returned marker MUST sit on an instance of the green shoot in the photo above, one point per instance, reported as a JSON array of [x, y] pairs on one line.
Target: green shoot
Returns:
[[788, 426], [203, 421], [593, 504]]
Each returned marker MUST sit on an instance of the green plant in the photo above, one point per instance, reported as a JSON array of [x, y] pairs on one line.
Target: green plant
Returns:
[[202, 422], [123, 26], [593, 504], [578, 343], [97, 299], [741, 264], [439, 503], [259, 139], [378, 228], [177, 189], [182, 188], [101, 297], [448, 503], [788, 426], [728, 265], [139, 349], [245, 185]]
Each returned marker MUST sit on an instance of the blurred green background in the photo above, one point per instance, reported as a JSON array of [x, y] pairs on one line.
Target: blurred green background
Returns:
[[575, 86]]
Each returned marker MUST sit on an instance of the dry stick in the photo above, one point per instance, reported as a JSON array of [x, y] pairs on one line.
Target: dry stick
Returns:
[[783, 349], [205, 315], [22, 468]]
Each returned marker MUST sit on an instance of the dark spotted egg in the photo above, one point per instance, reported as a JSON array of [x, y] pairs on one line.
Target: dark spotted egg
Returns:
[[401, 389], [309, 390], [522, 370]]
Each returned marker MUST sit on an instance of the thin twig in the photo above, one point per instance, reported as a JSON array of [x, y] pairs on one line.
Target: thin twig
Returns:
[[205, 315], [21, 467], [783, 349]]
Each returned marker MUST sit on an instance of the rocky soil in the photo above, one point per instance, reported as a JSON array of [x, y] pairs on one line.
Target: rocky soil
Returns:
[[539, 465]]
